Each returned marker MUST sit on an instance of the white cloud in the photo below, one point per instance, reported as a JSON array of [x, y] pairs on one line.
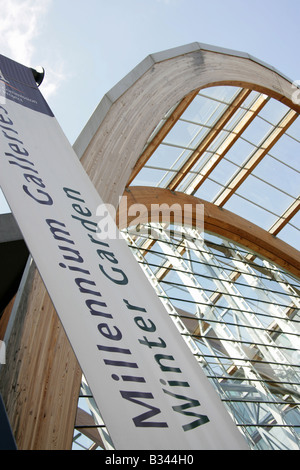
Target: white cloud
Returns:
[[53, 79], [20, 27]]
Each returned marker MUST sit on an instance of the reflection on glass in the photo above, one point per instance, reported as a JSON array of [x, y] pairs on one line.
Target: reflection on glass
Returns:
[[240, 316]]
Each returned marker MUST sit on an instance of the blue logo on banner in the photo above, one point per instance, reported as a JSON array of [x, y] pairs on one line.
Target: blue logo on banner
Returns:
[[17, 84]]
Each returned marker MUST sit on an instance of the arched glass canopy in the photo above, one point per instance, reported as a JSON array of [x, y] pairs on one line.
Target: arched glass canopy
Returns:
[[235, 304]]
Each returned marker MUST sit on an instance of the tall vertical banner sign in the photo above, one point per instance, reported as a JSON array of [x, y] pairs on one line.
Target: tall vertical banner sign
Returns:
[[150, 390]]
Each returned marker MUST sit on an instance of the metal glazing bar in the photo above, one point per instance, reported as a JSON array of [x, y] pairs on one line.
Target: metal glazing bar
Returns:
[[240, 296], [161, 134], [209, 138], [200, 172], [165, 269], [218, 255], [256, 157], [258, 402], [200, 294], [254, 265], [263, 425], [254, 361], [285, 217], [239, 341], [257, 328], [228, 281], [222, 307], [228, 379], [227, 144]]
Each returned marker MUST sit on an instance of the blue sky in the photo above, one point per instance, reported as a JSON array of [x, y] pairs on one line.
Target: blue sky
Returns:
[[87, 46]]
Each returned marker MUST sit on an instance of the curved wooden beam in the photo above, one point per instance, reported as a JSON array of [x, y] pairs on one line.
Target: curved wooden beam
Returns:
[[216, 220], [114, 138]]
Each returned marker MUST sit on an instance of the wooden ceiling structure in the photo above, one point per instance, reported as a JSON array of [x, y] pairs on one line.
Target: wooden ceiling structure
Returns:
[[128, 127], [170, 190], [240, 176]]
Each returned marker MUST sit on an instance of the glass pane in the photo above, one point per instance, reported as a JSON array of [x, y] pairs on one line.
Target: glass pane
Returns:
[[222, 93], [287, 150], [240, 152], [294, 129], [257, 131], [223, 172], [148, 177], [242, 328], [203, 111], [208, 190], [264, 195], [290, 235], [167, 156], [184, 134], [249, 211], [273, 111], [279, 175]]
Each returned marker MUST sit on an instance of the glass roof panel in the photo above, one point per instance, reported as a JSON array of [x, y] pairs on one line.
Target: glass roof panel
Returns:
[[286, 151], [223, 172], [240, 151], [149, 177], [185, 134], [294, 130], [280, 175], [218, 141], [273, 111], [208, 190], [250, 99], [203, 110], [274, 183], [168, 156], [221, 93], [257, 131], [248, 210], [264, 195], [235, 119], [201, 162], [290, 234]]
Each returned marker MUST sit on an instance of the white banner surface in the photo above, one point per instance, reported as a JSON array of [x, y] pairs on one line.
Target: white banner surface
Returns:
[[150, 390]]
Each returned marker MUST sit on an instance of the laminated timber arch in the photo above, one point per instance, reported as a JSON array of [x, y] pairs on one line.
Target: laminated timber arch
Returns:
[[216, 220], [42, 408], [112, 142], [134, 118]]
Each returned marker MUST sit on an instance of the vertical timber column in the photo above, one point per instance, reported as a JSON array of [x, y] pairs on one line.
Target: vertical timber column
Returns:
[[40, 381]]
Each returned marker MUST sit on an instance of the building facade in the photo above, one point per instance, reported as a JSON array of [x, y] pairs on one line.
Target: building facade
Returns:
[[189, 128]]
